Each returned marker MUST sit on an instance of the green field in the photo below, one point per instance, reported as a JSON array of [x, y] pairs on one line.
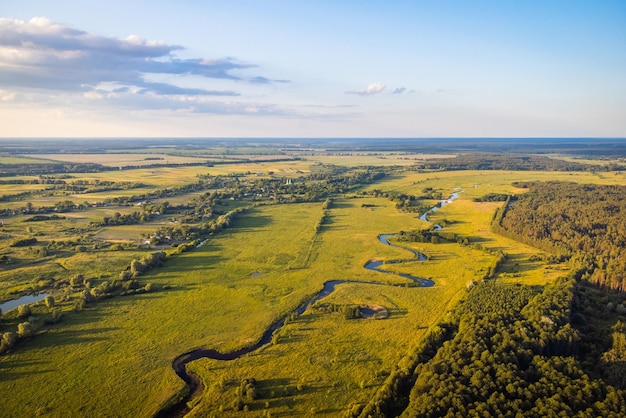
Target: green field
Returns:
[[121, 160], [113, 358], [376, 159]]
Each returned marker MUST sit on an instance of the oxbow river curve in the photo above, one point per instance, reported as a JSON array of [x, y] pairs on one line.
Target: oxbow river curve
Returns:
[[194, 384]]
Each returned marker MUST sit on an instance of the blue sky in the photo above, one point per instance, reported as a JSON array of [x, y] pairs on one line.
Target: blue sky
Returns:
[[313, 68]]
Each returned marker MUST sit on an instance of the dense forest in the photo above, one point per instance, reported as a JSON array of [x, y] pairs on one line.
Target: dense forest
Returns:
[[514, 350], [585, 222], [514, 353], [518, 162]]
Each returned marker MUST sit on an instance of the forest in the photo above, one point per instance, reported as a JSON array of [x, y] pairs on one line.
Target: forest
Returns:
[[515, 352], [584, 222]]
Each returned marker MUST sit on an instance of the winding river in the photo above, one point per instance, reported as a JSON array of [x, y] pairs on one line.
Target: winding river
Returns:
[[179, 364]]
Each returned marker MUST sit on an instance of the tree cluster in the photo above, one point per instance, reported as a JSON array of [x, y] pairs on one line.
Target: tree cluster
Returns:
[[514, 353], [568, 219], [495, 161]]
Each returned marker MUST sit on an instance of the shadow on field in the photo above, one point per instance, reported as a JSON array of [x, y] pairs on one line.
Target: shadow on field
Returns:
[[204, 262], [250, 223], [479, 240], [13, 370], [281, 392], [267, 386], [518, 263], [342, 205], [68, 337], [285, 339], [393, 313]]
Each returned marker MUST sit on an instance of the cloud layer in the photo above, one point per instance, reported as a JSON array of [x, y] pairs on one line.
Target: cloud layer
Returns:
[[39, 55]]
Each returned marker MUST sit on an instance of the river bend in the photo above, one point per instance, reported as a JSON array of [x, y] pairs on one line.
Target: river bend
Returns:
[[179, 364]]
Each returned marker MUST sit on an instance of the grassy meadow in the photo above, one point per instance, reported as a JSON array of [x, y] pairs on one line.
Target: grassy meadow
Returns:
[[114, 357], [374, 159], [121, 160], [214, 295]]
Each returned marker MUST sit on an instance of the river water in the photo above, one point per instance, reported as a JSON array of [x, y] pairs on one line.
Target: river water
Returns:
[[24, 300]]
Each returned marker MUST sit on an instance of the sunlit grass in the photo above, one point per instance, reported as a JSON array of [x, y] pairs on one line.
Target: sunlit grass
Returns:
[[479, 183], [356, 159], [227, 292], [120, 160], [215, 302]]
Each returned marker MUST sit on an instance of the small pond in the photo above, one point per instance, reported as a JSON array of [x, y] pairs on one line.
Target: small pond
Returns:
[[12, 304]]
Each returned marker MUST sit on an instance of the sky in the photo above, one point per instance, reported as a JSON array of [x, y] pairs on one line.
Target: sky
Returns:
[[295, 68]]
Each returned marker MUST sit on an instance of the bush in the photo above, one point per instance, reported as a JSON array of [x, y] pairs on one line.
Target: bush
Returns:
[[79, 305], [24, 329], [77, 280], [7, 341], [23, 311]]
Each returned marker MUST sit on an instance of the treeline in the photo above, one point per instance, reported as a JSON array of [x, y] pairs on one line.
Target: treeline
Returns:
[[127, 219], [586, 222], [476, 161], [492, 197], [198, 232], [207, 163], [29, 208], [507, 362], [407, 202], [29, 169], [507, 350]]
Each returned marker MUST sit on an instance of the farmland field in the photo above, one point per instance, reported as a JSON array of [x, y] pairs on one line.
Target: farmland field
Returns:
[[238, 247]]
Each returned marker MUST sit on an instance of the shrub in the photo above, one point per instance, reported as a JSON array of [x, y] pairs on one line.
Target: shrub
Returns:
[[24, 329], [23, 311], [77, 280], [8, 340]]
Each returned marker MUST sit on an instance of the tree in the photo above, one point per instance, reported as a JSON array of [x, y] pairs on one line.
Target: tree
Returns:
[[24, 329], [79, 305], [23, 311], [136, 267], [56, 315], [77, 280], [126, 275], [8, 340], [87, 296], [238, 404], [49, 300]]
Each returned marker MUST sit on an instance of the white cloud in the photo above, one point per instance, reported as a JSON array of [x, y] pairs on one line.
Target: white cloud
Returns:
[[373, 88], [40, 55]]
